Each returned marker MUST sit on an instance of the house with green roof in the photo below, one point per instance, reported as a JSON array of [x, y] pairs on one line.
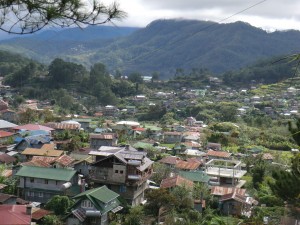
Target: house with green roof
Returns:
[[195, 176], [92, 206], [39, 184]]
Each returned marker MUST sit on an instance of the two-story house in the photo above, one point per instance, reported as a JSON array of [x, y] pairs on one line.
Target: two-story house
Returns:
[[103, 139], [92, 207], [124, 170], [39, 184]]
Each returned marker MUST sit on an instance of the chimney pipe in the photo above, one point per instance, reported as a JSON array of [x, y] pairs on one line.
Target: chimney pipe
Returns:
[[28, 209]]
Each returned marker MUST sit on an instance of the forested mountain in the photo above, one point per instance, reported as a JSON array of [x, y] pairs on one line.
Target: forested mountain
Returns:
[[164, 46]]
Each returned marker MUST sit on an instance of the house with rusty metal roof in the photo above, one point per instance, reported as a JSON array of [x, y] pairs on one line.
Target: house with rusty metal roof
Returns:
[[187, 165], [170, 161], [220, 191], [64, 126], [236, 204], [175, 181], [211, 154], [103, 139]]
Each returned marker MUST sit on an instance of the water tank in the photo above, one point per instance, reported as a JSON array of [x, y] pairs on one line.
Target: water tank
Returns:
[[66, 185]]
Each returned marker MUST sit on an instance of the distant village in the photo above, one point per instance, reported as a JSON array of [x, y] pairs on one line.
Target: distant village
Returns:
[[117, 158]]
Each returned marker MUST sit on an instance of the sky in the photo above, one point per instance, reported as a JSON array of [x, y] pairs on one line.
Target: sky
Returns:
[[270, 15]]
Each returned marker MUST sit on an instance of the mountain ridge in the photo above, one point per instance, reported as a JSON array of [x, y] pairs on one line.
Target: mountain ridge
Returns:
[[164, 45]]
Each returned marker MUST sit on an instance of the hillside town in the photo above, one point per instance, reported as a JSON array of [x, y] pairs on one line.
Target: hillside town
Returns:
[[108, 167]]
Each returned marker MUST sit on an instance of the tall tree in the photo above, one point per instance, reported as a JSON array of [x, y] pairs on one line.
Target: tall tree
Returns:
[[29, 16], [65, 74], [286, 183], [135, 78], [295, 130], [59, 204]]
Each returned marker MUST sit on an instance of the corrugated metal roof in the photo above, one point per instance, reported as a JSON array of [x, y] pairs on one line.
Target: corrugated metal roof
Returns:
[[184, 165], [37, 163], [102, 194], [46, 173], [63, 126], [45, 159], [14, 214], [218, 190], [65, 160], [103, 136], [175, 181], [235, 196], [169, 160], [32, 127], [36, 139], [42, 152], [218, 154], [38, 213], [6, 124]]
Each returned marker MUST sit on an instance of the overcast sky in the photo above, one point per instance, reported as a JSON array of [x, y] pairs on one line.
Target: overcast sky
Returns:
[[266, 14]]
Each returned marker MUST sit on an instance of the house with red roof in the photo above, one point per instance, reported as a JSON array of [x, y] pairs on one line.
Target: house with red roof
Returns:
[[5, 136], [15, 215], [30, 127]]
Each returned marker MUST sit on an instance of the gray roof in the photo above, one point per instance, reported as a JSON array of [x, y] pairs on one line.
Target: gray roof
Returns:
[[5, 124]]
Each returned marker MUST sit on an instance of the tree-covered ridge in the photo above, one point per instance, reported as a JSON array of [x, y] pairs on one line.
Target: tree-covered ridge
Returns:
[[165, 45]]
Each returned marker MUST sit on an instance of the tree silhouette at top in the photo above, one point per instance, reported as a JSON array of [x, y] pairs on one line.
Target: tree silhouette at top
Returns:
[[29, 16]]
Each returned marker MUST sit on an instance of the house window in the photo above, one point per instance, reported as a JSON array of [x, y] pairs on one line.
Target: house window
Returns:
[[46, 181], [31, 180], [116, 171], [56, 182], [32, 193], [122, 188], [41, 194], [121, 171], [86, 204], [28, 193]]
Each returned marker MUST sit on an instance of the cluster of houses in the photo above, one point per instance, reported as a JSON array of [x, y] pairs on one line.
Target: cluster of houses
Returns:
[[97, 176]]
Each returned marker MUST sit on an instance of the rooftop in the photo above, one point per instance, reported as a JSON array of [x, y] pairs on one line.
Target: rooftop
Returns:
[[46, 173], [14, 215], [176, 181]]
